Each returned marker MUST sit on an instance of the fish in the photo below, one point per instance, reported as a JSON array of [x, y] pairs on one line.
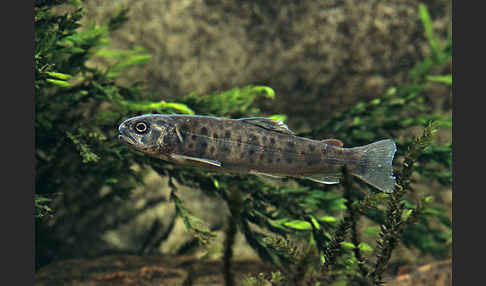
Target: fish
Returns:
[[256, 145]]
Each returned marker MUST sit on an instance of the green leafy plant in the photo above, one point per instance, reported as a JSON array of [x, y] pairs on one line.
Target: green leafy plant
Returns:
[[310, 228], [402, 217]]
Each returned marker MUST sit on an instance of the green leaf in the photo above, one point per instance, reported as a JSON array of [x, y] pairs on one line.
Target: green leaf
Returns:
[[216, 183], [111, 181], [267, 91], [298, 225], [40, 199], [134, 60], [429, 31], [280, 117], [278, 223], [315, 223], [60, 83], [348, 245], [406, 214], [160, 107], [59, 75], [428, 199], [365, 247], [327, 218], [236, 102], [323, 258], [441, 78], [391, 91]]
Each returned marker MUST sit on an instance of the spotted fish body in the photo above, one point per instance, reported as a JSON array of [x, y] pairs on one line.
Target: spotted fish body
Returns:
[[256, 145]]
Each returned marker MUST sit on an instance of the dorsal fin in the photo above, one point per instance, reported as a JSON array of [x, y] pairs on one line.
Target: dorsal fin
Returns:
[[269, 124], [334, 142]]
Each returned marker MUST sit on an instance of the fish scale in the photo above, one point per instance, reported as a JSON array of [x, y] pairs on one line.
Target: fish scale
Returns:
[[256, 145]]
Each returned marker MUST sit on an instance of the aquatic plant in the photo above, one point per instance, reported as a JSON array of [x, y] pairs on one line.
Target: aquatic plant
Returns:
[[343, 256], [312, 229]]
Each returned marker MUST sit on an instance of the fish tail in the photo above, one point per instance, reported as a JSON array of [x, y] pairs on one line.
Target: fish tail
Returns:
[[375, 168]]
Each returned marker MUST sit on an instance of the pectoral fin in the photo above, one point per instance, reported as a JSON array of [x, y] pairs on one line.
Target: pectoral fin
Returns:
[[179, 135], [325, 178], [265, 174], [269, 124], [201, 160]]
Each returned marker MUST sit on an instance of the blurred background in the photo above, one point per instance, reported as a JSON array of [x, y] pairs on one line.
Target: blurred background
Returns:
[[319, 59]]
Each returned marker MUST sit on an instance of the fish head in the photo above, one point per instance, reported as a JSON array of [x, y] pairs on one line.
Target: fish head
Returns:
[[149, 133]]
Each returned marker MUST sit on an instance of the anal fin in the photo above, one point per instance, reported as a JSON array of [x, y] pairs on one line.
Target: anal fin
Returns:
[[324, 178], [201, 160]]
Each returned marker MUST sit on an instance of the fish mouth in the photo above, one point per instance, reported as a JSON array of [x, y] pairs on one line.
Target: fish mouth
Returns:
[[126, 139]]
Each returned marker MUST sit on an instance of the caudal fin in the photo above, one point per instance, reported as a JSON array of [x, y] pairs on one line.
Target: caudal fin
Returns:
[[375, 167]]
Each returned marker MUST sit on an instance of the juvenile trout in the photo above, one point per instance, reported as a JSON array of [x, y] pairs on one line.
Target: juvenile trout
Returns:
[[256, 145]]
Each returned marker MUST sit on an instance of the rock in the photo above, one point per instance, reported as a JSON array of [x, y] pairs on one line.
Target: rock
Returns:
[[319, 56], [129, 270], [434, 274]]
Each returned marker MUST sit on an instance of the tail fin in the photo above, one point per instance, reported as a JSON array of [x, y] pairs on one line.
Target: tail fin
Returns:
[[375, 167]]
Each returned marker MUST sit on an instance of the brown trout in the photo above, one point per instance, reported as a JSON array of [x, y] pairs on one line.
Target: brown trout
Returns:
[[256, 145]]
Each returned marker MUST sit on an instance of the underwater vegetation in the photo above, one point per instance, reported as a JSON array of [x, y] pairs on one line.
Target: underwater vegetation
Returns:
[[313, 234]]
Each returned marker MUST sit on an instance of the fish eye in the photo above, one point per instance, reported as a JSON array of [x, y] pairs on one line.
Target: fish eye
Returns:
[[141, 127]]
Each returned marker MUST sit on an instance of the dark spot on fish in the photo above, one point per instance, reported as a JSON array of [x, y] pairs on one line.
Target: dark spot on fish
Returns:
[[201, 146], [194, 137], [289, 157], [312, 148], [212, 150], [278, 159], [239, 141], [272, 140], [312, 160], [289, 153], [253, 139], [204, 131], [251, 152], [264, 139], [225, 149], [191, 145], [227, 134]]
